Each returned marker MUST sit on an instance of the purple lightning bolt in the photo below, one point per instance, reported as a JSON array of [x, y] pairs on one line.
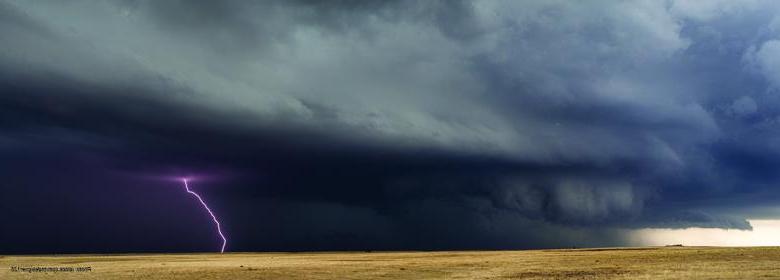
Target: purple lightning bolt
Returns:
[[219, 230]]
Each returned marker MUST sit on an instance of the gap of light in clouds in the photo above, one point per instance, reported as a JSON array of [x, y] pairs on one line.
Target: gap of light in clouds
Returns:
[[764, 233]]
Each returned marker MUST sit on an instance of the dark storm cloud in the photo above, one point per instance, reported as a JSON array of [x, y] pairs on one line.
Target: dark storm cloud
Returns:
[[385, 124]]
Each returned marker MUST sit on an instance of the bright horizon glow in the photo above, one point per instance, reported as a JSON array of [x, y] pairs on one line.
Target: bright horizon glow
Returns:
[[764, 233], [219, 230]]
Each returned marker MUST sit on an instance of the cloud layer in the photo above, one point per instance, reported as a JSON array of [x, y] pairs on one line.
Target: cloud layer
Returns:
[[387, 124]]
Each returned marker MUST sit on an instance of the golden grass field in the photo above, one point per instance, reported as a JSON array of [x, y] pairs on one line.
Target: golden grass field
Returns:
[[626, 263]]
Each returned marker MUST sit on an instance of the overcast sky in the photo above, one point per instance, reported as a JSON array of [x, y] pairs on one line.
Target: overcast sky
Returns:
[[351, 125]]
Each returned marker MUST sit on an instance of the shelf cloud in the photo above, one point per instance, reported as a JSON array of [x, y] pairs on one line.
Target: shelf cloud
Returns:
[[351, 125]]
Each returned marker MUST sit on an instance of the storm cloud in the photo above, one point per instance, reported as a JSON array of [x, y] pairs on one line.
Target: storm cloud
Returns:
[[351, 125]]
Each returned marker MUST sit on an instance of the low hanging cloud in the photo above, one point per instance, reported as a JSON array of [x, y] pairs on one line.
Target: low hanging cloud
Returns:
[[398, 124]]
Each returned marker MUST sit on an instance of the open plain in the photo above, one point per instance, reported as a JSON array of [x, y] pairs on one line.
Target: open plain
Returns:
[[612, 263]]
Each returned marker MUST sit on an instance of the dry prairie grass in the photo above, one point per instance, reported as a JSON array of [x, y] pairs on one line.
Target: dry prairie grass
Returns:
[[627, 263]]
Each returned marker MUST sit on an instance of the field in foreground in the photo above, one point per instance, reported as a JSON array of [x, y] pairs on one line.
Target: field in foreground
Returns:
[[627, 263]]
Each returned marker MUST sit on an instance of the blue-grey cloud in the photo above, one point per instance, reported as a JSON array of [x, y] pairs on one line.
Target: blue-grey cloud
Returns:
[[406, 124]]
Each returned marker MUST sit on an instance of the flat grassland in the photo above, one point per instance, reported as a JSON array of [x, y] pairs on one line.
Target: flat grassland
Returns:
[[617, 263]]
